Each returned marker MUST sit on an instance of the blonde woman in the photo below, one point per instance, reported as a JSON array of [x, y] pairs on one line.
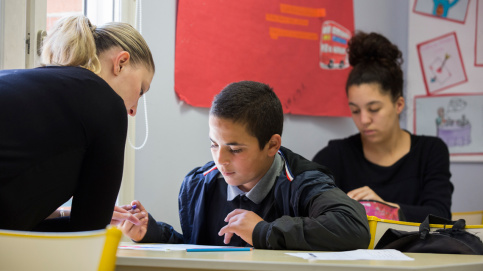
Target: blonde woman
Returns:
[[64, 125]]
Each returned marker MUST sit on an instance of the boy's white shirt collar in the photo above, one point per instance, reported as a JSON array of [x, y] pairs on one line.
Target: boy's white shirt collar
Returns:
[[261, 189]]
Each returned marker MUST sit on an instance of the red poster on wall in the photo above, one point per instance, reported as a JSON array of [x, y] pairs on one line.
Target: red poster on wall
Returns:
[[298, 47]]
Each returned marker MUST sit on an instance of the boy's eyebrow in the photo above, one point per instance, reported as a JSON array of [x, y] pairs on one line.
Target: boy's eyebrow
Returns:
[[230, 143], [234, 144]]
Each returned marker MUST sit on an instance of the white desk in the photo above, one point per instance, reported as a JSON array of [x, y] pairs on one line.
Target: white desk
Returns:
[[277, 260]]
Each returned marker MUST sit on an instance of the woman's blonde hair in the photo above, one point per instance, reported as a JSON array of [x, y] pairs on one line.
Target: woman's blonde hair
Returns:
[[74, 41]]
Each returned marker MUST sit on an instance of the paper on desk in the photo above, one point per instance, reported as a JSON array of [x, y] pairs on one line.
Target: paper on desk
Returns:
[[165, 247], [359, 254]]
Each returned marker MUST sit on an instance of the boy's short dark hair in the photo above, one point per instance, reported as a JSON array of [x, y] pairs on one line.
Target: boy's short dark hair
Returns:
[[253, 104]]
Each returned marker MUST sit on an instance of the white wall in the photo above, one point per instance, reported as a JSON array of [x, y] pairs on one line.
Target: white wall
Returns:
[[466, 176], [178, 133]]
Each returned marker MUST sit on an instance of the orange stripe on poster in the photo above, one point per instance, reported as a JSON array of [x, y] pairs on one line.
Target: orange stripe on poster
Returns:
[[285, 20], [302, 11], [275, 33]]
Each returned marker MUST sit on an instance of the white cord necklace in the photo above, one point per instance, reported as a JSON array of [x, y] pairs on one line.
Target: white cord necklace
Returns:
[[139, 27]]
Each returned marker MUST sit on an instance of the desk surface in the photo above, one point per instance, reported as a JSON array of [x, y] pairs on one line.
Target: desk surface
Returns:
[[277, 260]]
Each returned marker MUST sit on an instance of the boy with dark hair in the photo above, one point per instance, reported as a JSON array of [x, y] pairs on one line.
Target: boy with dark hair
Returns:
[[255, 192]]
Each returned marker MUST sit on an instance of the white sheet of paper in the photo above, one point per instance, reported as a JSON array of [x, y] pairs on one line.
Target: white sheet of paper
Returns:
[[359, 254], [164, 247]]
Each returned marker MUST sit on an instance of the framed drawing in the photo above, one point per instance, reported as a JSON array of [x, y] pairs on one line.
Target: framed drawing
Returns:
[[451, 10], [441, 63], [479, 34], [456, 119]]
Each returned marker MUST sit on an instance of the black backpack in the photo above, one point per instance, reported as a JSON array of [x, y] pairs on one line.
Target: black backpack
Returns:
[[453, 240]]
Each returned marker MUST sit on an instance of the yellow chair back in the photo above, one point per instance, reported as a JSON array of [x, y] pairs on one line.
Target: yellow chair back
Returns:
[[379, 226], [473, 217], [88, 250]]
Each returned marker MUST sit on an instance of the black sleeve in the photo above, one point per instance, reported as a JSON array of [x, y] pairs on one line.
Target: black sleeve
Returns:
[[159, 232], [436, 187], [100, 178], [334, 222]]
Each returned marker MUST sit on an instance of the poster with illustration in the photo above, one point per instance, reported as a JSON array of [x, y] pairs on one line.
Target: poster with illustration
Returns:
[[456, 119], [479, 34], [441, 63], [452, 10], [298, 47]]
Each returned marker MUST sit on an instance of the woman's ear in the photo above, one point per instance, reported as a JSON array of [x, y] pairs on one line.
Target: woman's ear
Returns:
[[400, 103], [120, 61], [274, 144]]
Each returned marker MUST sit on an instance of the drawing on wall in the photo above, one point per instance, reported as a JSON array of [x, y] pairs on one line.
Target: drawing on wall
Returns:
[[453, 10], [453, 132], [456, 119], [334, 39], [441, 63], [479, 34]]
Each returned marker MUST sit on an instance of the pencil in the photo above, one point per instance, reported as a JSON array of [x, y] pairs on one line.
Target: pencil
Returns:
[[218, 249]]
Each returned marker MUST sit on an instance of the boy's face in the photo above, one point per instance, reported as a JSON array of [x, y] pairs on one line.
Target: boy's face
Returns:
[[237, 153]]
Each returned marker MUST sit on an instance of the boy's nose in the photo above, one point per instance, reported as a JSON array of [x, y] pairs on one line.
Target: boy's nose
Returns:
[[221, 157]]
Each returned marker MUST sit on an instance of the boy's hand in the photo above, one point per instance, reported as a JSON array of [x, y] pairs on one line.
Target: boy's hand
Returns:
[[132, 220], [242, 223]]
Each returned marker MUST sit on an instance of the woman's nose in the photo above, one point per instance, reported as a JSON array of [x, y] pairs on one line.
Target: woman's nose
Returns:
[[365, 117]]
